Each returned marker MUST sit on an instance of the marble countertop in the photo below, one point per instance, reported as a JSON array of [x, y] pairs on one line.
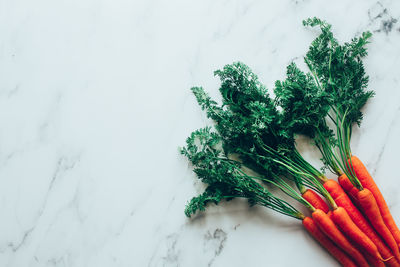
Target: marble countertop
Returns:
[[95, 100]]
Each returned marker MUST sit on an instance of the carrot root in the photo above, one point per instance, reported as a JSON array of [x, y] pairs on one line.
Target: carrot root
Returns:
[[351, 230], [342, 200], [373, 261], [348, 187], [315, 200], [329, 228], [367, 182], [324, 241], [371, 210]]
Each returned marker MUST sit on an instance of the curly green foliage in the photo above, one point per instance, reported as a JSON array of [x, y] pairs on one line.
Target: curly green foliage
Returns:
[[339, 70], [249, 101], [251, 125], [247, 109], [304, 104], [212, 194], [201, 147], [239, 133], [214, 111], [224, 177], [335, 88], [272, 140], [240, 86]]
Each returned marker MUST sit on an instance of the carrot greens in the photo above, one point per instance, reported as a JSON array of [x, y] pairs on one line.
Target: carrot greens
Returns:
[[252, 128], [226, 180], [334, 89]]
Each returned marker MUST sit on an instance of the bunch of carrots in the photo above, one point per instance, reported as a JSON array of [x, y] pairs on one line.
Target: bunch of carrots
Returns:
[[251, 149]]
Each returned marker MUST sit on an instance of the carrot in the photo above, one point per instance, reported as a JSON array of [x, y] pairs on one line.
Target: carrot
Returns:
[[334, 250], [366, 180], [315, 200], [348, 227], [342, 219], [348, 187], [342, 200], [370, 207], [329, 214], [373, 261], [329, 228], [333, 188]]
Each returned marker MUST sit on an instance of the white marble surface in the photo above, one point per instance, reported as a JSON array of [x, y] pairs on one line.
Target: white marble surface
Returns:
[[95, 100]]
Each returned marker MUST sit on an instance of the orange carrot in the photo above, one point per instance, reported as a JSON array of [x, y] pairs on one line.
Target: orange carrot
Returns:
[[370, 207], [334, 250], [373, 261], [347, 186], [392, 262], [342, 200], [329, 228], [367, 182], [351, 230], [333, 188], [315, 200], [329, 214]]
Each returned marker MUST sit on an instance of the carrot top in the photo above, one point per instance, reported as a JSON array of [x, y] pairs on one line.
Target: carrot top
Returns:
[[332, 92], [226, 180], [253, 128]]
